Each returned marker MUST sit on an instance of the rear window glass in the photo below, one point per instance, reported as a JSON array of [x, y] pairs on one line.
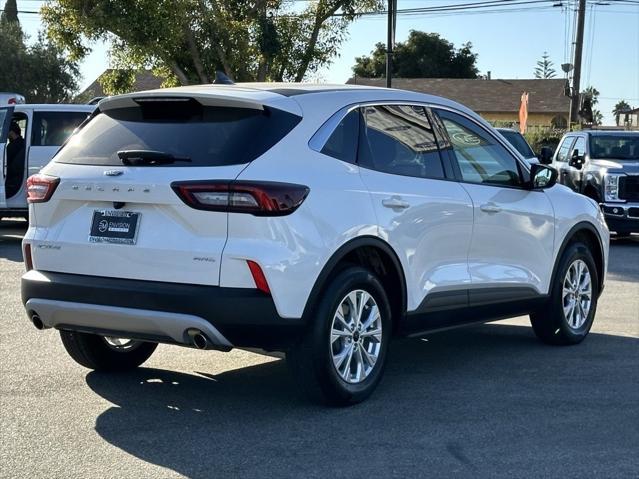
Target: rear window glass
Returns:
[[52, 128], [518, 141], [207, 136]]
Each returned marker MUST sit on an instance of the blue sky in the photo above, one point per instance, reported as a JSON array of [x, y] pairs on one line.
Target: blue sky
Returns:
[[508, 44]]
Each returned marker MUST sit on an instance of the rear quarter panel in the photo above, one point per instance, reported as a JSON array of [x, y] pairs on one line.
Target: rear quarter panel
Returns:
[[292, 250]]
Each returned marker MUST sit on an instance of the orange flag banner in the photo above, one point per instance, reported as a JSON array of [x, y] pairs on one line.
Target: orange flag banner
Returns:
[[523, 113]]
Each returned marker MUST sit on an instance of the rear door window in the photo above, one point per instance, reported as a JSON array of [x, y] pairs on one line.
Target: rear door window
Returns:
[[201, 135], [399, 139], [52, 128]]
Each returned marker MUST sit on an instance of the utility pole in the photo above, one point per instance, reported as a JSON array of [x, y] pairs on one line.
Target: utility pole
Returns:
[[576, 77], [390, 40]]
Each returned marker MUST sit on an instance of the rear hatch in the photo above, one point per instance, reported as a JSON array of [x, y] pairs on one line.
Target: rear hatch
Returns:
[[114, 212]]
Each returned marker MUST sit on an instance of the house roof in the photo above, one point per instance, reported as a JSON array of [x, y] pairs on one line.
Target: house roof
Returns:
[[544, 96], [144, 80]]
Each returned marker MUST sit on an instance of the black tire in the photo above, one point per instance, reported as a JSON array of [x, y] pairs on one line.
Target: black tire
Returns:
[[550, 323], [93, 352], [311, 360]]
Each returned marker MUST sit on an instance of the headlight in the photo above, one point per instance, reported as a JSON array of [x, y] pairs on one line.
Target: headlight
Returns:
[[611, 187]]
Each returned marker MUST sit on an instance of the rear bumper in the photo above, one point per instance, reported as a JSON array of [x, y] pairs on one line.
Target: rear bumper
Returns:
[[163, 312], [622, 217]]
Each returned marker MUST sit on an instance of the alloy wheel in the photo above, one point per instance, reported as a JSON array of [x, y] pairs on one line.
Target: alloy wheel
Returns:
[[356, 336], [577, 294]]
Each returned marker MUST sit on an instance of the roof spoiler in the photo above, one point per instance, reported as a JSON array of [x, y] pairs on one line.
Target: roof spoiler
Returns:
[[212, 98]]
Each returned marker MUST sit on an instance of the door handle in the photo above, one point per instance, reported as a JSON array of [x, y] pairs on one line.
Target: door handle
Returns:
[[395, 202], [490, 208]]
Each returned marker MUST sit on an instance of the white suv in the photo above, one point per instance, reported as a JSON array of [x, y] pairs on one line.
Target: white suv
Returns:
[[320, 221]]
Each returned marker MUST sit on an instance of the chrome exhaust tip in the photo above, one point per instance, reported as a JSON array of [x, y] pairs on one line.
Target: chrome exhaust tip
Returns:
[[200, 341], [198, 338], [37, 322]]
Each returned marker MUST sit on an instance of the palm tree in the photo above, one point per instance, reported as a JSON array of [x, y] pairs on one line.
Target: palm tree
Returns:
[[593, 93], [621, 107]]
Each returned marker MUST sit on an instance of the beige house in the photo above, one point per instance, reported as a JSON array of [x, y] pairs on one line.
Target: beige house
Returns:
[[144, 80], [497, 101]]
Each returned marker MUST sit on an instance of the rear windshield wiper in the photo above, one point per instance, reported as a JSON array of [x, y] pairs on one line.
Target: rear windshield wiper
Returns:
[[149, 157]]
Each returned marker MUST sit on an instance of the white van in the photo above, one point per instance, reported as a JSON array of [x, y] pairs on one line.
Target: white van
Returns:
[[8, 98], [44, 128]]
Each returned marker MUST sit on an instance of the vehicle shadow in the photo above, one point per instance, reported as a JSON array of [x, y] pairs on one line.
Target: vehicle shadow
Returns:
[[11, 233], [624, 258], [484, 401]]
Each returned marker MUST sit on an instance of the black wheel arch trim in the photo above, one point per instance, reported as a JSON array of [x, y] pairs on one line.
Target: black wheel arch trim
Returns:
[[341, 253], [582, 225]]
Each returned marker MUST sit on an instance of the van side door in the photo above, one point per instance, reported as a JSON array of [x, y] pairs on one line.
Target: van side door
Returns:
[[5, 120], [50, 129]]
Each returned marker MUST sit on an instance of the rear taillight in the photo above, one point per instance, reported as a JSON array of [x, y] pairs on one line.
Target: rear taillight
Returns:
[[259, 198], [41, 187], [28, 258], [12, 101]]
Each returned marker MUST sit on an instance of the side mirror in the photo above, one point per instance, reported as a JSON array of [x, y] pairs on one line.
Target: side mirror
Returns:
[[576, 160], [545, 156], [542, 176]]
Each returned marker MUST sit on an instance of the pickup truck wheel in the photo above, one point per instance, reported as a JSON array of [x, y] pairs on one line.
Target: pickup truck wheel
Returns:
[[106, 353], [569, 314], [340, 359]]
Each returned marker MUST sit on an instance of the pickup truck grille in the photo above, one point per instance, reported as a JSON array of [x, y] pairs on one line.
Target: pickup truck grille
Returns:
[[629, 188]]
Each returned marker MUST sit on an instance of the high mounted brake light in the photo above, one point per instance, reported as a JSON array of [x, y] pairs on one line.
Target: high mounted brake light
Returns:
[[259, 198], [41, 187]]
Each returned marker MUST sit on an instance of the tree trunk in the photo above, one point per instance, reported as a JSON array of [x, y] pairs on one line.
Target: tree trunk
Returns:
[[195, 55], [320, 18], [225, 63], [178, 72], [310, 48]]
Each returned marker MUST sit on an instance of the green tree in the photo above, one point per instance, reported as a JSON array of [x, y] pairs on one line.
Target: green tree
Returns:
[[422, 55], [188, 40], [544, 68], [592, 94], [53, 77], [620, 108], [40, 71], [9, 13]]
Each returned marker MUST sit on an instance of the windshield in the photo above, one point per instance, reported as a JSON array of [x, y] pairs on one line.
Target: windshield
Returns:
[[614, 147], [210, 136], [518, 141]]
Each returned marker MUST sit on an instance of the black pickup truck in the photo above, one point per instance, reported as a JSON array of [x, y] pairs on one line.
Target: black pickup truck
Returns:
[[603, 165]]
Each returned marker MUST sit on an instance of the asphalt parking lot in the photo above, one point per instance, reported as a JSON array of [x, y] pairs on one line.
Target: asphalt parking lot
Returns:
[[486, 401]]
